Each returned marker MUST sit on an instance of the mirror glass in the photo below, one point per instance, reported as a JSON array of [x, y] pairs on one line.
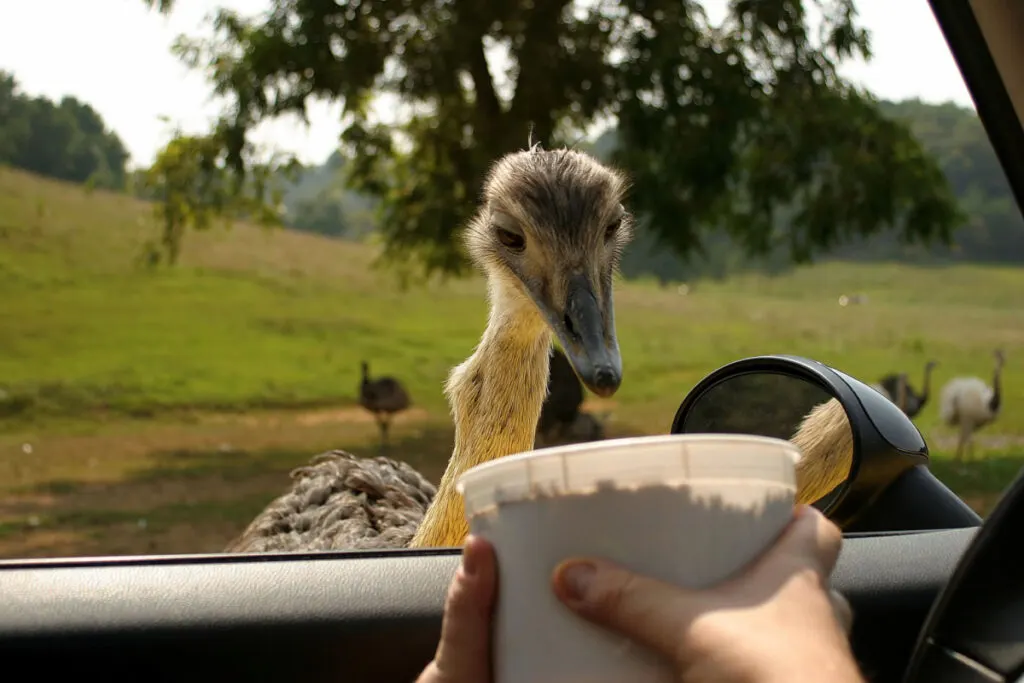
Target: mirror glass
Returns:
[[784, 407]]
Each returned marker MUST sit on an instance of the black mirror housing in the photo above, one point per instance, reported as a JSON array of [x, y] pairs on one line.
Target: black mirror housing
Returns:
[[886, 443]]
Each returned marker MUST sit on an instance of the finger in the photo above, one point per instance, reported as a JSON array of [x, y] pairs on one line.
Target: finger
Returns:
[[643, 609], [842, 610], [828, 539], [810, 540], [463, 653]]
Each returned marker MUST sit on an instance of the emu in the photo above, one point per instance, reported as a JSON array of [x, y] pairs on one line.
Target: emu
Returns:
[[548, 235], [384, 397], [970, 404]]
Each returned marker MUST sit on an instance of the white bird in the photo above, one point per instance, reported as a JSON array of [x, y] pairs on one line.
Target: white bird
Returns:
[[969, 403]]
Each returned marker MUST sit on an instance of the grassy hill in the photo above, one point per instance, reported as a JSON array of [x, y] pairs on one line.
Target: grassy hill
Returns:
[[258, 319], [280, 318], [252, 317]]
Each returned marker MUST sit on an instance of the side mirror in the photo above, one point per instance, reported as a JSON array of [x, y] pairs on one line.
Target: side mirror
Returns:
[[855, 442]]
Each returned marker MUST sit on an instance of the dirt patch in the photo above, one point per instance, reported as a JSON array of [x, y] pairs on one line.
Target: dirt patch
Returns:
[[995, 442], [184, 487], [340, 415], [350, 415], [140, 496], [117, 453], [15, 504], [185, 539], [43, 543], [121, 539]]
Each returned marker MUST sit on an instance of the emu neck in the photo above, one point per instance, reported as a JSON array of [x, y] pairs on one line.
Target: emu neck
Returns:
[[495, 397], [926, 387], [993, 403]]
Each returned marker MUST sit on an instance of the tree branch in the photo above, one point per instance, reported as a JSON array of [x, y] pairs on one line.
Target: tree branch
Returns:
[[538, 96], [161, 6], [487, 103]]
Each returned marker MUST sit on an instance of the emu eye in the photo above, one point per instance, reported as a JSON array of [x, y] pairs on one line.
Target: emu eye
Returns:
[[611, 230], [512, 240]]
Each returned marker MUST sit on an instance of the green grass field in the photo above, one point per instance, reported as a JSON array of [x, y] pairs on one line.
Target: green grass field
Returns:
[[156, 411]]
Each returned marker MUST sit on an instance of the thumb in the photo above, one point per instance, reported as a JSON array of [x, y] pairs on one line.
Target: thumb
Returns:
[[463, 653], [810, 541], [643, 609]]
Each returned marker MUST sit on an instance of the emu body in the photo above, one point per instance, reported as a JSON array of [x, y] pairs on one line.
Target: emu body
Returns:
[[561, 407], [969, 404]]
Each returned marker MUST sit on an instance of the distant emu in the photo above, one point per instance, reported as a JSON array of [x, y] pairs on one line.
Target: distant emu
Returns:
[[384, 397], [970, 404], [911, 402]]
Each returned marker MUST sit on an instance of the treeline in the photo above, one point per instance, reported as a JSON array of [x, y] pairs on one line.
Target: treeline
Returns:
[[955, 137], [953, 134], [66, 140], [318, 202]]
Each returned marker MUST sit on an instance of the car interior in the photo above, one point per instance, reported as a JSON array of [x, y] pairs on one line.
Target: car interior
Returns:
[[936, 594]]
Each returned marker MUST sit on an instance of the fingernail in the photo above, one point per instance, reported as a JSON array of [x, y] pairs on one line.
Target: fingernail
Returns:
[[470, 558], [577, 578]]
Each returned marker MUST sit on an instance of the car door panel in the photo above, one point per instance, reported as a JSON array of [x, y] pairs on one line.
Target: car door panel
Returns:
[[363, 616]]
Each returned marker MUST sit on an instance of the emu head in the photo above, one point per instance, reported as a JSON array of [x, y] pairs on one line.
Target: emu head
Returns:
[[551, 229]]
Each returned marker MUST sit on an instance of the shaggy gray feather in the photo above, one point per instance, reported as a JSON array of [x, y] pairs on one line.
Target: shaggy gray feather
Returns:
[[340, 502]]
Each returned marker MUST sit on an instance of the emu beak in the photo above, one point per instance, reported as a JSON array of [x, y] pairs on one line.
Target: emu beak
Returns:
[[588, 338]]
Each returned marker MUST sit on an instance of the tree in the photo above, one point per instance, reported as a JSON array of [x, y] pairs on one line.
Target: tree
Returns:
[[14, 125], [720, 126], [67, 140], [94, 153], [321, 214], [190, 186]]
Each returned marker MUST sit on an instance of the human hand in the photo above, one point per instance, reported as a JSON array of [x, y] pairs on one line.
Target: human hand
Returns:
[[464, 651], [774, 622]]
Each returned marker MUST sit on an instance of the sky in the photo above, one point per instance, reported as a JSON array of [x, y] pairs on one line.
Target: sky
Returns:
[[115, 55]]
